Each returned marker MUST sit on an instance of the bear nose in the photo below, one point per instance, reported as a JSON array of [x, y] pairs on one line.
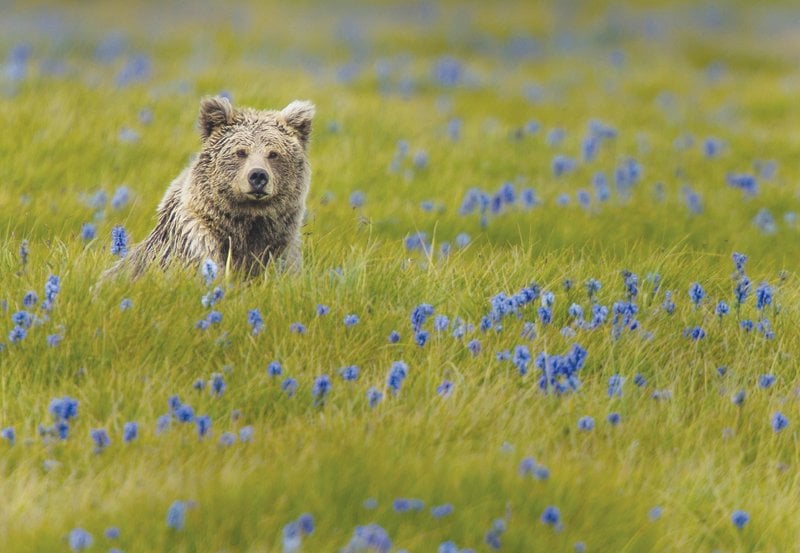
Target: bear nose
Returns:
[[258, 179]]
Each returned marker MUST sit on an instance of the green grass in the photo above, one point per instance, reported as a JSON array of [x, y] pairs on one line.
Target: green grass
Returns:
[[695, 454]]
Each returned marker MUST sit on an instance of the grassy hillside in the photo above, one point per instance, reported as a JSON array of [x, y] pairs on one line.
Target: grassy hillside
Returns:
[[551, 200]]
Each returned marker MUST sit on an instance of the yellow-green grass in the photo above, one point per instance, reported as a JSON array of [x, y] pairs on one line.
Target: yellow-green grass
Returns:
[[693, 453]]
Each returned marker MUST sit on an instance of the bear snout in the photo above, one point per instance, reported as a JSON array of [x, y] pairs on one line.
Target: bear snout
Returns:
[[258, 179]]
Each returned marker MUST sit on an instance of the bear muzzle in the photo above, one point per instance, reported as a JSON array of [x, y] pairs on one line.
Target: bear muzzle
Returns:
[[259, 181]]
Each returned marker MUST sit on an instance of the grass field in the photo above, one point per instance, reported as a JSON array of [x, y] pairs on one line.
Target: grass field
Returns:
[[475, 167]]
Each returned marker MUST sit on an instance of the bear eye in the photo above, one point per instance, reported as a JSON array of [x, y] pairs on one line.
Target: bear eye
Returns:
[[241, 153], [272, 155]]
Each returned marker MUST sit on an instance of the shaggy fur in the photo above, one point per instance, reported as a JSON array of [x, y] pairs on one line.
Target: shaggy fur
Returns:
[[211, 210]]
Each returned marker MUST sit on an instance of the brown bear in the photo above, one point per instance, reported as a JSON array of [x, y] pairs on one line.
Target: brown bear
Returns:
[[241, 202]]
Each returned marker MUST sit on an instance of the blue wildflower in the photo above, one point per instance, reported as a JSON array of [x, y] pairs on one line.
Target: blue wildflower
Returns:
[[349, 373], [747, 325], [763, 296], [64, 408], [739, 397], [297, 328], [24, 251], [420, 159], [137, 69], [163, 423], [394, 337], [322, 386], [121, 195], [779, 421], [631, 284], [601, 189], [440, 323], [766, 380], [374, 397], [551, 516], [203, 423], [462, 240], [563, 164], [474, 347], [22, 318], [9, 435], [521, 358], [88, 231], [214, 317], [765, 221], [740, 519], [545, 315], [291, 537], [80, 539], [100, 439], [655, 513], [615, 383], [556, 136], [112, 533], [30, 299], [695, 333], [227, 439], [746, 183], [176, 515], [322, 310], [130, 431], [369, 537], [420, 314], [274, 369], [213, 297], [421, 337], [174, 403], [397, 374], [306, 524], [246, 434], [454, 128], [17, 334], [739, 259], [445, 388], [350, 320], [119, 241], [586, 423], [208, 270], [668, 305], [184, 413], [722, 309], [255, 320], [417, 241], [614, 419], [448, 71], [696, 293], [289, 386], [217, 385], [742, 290], [62, 429], [441, 511]]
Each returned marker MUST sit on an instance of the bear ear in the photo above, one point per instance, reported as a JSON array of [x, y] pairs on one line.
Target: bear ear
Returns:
[[215, 111], [298, 116]]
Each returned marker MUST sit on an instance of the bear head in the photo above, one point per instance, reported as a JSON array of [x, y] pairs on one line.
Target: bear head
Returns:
[[255, 160]]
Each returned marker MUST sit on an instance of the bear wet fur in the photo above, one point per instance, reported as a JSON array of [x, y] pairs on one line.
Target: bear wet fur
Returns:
[[242, 200]]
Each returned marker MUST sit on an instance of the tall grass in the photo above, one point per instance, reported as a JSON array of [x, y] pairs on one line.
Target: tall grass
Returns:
[[682, 444]]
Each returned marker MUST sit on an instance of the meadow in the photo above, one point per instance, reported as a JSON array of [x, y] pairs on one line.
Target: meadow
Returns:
[[549, 300]]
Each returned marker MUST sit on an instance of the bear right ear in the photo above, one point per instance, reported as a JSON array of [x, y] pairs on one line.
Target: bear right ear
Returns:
[[215, 112]]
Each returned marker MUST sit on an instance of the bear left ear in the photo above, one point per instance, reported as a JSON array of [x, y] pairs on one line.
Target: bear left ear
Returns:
[[298, 116], [215, 112]]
